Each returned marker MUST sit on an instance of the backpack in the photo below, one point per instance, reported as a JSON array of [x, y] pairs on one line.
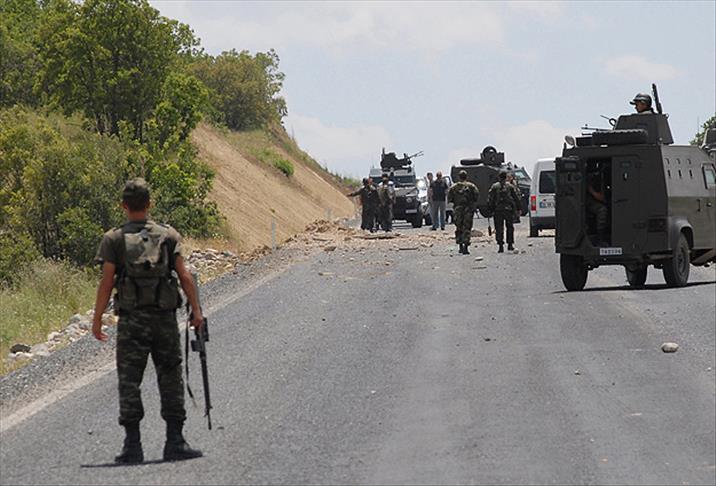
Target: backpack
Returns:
[[146, 278]]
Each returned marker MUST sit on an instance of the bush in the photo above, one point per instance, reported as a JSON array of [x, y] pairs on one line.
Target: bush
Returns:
[[268, 156], [17, 251]]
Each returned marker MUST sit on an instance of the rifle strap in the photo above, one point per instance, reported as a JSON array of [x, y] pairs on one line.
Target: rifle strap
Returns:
[[186, 361]]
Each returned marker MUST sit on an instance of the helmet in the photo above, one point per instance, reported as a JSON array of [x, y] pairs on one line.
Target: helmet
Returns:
[[462, 174], [641, 97], [502, 175]]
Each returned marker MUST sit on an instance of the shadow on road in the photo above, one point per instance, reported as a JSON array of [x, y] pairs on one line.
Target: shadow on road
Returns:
[[114, 464], [629, 287]]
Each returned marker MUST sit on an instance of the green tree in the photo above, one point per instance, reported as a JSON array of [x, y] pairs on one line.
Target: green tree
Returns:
[[18, 60], [109, 59], [244, 88], [699, 137]]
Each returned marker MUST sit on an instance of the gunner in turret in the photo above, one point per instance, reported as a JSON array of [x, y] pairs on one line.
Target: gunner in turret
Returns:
[[642, 103]]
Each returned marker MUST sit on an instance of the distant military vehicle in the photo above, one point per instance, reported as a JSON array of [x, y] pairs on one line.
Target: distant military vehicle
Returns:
[[660, 201], [410, 204], [484, 171]]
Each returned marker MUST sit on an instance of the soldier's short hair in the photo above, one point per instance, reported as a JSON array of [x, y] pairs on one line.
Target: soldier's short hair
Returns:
[[502, 175], [462, 175], [136, 194]]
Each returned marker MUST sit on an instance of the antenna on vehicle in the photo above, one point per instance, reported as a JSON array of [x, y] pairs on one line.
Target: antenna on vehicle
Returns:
[[656, 98]]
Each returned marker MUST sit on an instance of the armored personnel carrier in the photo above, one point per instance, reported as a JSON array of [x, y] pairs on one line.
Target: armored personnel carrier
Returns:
[[660, 201], [410, 205], [484, 171]]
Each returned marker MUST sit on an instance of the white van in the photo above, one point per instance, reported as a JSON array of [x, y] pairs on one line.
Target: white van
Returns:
[[542, 196]]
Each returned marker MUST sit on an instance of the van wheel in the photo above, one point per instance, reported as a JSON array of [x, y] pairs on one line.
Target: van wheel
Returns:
[[534, 232], [636, 278], [676, 269], [574, 272]]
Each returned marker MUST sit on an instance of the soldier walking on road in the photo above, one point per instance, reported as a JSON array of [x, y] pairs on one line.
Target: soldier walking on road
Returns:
[[463, 195], [368, 200], [504, 202], [137, 260], [386, 195]]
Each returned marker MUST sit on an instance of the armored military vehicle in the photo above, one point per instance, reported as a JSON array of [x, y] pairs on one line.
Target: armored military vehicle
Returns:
[[410, 205], [660, 201], [484, 171]]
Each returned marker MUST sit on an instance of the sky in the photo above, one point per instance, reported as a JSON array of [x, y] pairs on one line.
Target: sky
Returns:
[[450, 78]]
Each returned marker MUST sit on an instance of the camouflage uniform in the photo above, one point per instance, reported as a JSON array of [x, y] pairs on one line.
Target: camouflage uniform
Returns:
[[369, 203], [386, 195], [504, 201], [144, 331], [463, 195]]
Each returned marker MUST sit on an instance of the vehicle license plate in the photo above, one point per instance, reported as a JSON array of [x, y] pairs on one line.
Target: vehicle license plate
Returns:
[[411, 210], [610, 251]]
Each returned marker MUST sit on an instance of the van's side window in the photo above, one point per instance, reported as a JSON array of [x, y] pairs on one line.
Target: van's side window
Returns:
[[546, 182], [709, 176]]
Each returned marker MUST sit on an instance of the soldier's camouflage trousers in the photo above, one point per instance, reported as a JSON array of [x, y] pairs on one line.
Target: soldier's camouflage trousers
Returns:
[[139, 334], [504, 219], [462, 216]]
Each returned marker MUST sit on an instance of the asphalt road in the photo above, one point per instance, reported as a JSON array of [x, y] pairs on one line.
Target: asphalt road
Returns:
[[420, 366]]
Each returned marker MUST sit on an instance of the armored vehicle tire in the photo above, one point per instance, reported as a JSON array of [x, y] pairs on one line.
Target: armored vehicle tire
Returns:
[[574, 272], [417, 221], [534, 232], [637, 277], [676, 269]]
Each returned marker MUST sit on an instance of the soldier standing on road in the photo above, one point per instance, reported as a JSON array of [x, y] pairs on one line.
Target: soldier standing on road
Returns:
[[386, 195], [368, 199], [503, 201], [642, 103], [137, 260], [463, 195], [438, 195]]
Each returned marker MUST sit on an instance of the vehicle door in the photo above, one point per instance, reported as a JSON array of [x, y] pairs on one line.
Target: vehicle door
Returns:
[[708, 205], [628, 221], [569, 207]]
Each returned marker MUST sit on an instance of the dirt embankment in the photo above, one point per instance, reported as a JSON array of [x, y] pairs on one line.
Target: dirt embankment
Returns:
[[252, 193]]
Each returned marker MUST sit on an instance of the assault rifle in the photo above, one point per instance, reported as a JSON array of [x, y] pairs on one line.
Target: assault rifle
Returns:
[[198, 345]]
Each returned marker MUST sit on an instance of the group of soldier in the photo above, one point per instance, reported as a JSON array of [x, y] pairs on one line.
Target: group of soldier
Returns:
[[503, 202], [377, 204]]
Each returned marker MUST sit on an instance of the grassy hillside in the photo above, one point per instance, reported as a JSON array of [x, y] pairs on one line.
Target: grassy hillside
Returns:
[[252, 188]]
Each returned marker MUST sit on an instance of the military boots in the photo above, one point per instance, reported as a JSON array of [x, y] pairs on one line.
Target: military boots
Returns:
[[510, 246], [132, 452], [501, 248], [176, 448], [465, 250]]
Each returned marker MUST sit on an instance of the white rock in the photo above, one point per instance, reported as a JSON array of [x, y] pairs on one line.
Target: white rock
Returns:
[[479, 259], [40, 350], [669, 347], [53, 336], [76, 319], [85, 325]]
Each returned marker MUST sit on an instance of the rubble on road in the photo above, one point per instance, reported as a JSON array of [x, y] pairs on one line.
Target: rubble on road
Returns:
[[669, 347]]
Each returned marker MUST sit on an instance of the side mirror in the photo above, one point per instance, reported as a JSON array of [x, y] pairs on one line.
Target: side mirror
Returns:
[[570, 140]]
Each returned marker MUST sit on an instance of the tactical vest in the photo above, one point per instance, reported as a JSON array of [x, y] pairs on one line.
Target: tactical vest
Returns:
[[504, 200], [145, 279], [461, 194]]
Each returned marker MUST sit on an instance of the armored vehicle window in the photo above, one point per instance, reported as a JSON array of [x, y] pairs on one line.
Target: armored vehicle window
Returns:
[[546, 182], [709, 176], [404, 180]]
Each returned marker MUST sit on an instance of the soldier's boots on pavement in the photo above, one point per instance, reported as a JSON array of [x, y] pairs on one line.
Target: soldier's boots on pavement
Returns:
[[501, 248], [132, 452], [510, 247], [464, 249], [176, 448]]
